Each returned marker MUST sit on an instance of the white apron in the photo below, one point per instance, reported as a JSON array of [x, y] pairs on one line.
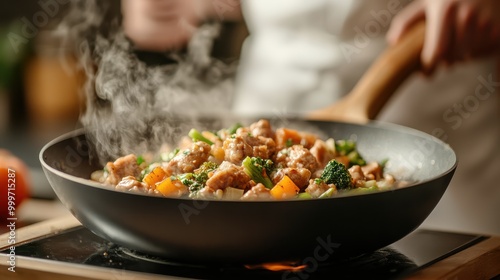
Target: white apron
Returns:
[[303, 55]]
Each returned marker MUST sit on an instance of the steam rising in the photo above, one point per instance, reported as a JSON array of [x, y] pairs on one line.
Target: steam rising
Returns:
[[130, 106]]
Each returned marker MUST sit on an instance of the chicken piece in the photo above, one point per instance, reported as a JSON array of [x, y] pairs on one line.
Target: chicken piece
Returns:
[[122, 167], [257, 192], [299, 176], [130, 183], [262, 128], [372, 171], [358, 177], [261, 146], [321, 152], [228, 175], [296, 157], [188, 160], [317, 188], [238, 148]]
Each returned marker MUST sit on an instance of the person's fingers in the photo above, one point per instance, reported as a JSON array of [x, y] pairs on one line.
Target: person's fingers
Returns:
[[480, 38], [456, 30], [491, 38], [494, 38], [439, 33], [162, 10], [159, 25], [464, 32], [404, 20]]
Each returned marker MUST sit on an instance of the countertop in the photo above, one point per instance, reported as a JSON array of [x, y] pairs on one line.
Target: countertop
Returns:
[[480, 261]]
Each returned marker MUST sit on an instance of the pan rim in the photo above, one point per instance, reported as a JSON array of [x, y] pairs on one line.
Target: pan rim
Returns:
[[372, 123]]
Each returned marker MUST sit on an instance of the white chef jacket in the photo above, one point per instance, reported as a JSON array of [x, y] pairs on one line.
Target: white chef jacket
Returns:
[[304, 55]]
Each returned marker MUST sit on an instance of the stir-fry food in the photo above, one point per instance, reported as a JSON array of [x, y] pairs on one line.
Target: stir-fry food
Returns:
[[252, 162]]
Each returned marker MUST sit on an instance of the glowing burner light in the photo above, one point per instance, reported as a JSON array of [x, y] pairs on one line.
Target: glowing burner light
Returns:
[[279, 266]]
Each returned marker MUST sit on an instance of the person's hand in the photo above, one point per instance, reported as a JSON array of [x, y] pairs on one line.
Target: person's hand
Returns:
[[456, 30], [160, 25]]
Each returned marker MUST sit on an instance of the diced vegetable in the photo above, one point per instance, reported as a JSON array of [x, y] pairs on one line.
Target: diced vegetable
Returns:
[[330, 145], [371, 183], [383, 163], [348, 148], [363, 190], [356, 159], [328, 193], [286, 137], [197, 136], [154, 176], [257, 169], [169, 156], [234, 128], [218, 153], [140, 160], [344, 147], [233, 193], [210, 136], [304, 195], [167, 187], [285, 189]]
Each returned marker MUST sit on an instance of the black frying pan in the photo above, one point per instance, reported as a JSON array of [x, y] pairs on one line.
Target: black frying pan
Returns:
[[262, 231], [257, 231]]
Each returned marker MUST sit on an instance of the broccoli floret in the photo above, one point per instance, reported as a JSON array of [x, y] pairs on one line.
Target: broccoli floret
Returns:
[[266, 163], [188, 180], [348, 148], [196, 136], [196, 181], [206, 167], [344, 147], [258, 168], [356, 159], [336, 173]]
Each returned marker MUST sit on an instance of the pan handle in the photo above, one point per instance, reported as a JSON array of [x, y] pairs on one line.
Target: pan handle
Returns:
[[379, 83]]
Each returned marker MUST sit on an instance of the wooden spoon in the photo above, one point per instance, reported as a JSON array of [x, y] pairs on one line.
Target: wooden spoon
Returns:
[[379, 83]]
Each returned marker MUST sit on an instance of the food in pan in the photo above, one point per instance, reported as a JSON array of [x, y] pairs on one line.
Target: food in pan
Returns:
[[254, 162]]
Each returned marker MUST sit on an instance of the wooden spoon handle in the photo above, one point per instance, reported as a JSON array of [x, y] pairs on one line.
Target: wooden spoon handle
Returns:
[[379, 83]]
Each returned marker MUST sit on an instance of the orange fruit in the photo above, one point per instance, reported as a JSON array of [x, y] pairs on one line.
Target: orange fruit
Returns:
[[14, 184]]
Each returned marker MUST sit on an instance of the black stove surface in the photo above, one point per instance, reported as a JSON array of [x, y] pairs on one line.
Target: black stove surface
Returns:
[[417, 250]]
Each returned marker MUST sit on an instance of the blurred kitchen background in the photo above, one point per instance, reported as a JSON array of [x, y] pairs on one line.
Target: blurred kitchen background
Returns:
[[40, 85]]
